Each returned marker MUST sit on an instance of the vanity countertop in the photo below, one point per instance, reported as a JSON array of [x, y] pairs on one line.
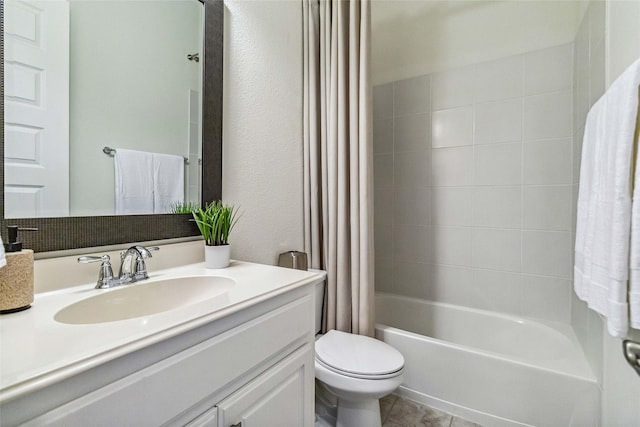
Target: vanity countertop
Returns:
[[36, 350]]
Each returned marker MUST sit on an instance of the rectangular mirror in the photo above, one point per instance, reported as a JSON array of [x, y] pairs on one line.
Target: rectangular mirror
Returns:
[[114, 74]]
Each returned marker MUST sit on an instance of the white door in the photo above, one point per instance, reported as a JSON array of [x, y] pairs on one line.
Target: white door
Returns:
[[36, 72]]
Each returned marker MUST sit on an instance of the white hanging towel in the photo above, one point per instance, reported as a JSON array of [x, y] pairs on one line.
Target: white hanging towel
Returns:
[[607, 220], [133, 181], [168, 182]]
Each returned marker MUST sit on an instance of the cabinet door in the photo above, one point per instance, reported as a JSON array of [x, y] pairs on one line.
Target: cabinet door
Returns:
[[277, 398]]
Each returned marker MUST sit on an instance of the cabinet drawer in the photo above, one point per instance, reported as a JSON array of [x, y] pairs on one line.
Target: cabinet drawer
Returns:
[[156, 394]]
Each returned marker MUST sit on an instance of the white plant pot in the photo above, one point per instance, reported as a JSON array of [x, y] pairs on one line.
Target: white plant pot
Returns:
[[217, 256]]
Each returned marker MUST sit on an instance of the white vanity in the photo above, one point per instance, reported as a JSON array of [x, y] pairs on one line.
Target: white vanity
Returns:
[[242, 357]]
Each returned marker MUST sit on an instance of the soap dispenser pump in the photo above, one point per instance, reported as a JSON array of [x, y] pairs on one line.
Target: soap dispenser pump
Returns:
[[16, 278]]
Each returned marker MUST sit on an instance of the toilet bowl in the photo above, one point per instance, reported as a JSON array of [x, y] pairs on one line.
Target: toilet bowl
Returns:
[[358, 370]]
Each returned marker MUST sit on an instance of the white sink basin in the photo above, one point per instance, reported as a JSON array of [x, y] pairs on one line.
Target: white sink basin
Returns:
[[143, 299]]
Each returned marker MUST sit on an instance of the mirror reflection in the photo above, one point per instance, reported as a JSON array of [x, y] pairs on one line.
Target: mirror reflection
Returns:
[[82, 75]]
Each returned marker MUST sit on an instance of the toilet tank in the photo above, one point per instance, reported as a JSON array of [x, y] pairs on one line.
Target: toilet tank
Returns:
[[319, 300]]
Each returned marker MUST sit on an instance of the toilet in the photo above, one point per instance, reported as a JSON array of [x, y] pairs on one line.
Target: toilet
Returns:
[[357, 370]]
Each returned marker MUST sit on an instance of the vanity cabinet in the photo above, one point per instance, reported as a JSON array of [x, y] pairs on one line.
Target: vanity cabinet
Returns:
[[252, 368]]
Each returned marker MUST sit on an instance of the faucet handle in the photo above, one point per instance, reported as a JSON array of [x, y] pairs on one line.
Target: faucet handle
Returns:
[[105, 277], [88, 259], [146, 252]]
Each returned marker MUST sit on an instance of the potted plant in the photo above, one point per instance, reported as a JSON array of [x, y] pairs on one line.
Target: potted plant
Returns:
[[215, 221]]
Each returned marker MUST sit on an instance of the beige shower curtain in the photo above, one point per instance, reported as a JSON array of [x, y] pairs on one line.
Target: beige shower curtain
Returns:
[[338, 159]]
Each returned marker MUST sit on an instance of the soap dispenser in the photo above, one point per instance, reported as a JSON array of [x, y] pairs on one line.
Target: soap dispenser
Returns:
[[16, 277]]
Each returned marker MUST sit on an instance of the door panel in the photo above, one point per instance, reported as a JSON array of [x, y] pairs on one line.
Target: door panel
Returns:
[[36, 108]]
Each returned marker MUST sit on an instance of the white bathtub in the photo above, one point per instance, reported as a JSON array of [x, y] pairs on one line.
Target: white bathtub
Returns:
[[490, 368]]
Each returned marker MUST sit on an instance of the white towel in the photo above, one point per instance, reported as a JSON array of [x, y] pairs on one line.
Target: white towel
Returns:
[[3, 258], [168, 182], [604, 226], [631, 80], [133, 182]]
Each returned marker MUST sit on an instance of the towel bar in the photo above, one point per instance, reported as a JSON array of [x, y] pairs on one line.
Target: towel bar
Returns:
[[112, 151]]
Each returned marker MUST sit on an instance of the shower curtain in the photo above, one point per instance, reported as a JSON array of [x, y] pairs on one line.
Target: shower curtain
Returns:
[[338, 158]]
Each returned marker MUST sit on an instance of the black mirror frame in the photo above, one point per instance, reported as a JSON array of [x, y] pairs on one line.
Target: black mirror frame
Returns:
[[56, 234]]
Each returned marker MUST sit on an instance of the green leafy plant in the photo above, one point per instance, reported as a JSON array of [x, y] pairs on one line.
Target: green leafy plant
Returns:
[[215, 221], [184, 207]]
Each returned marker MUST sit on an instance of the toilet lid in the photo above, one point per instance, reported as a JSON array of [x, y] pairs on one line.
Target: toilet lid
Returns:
[[357, 354]]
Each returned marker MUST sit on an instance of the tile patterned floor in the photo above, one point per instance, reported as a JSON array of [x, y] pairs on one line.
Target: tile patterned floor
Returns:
[[398, 411]]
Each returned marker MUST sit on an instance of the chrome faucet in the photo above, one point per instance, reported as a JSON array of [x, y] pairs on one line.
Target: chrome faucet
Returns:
[[132, 267]]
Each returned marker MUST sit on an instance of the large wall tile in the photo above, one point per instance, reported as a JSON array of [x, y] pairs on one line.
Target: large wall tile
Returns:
[[498, 164], [547, 207], [383, 205], [548, 70], [498, 121], [383, 101], [411, 96], [451, 285], [497, 249], [412, 243], [452, 206], [497, 290], [450, 245], [546, 298], [383, 136], [548, 115], [412, 133], [546, 162], [382, 170], [411, 169], [384, 274], [412, 205], [452, 127], [411, 279], [453, 88], [452, 166], [501, 79], [383, 239], [498, 207], [547, 253]]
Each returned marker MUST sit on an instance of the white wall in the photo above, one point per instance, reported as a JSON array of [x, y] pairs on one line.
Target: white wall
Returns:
[[440, 35], [262, 148], [122, 54]]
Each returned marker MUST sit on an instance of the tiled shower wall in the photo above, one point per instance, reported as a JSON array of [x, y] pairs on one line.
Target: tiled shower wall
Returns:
[[473, 185], [589, 85]]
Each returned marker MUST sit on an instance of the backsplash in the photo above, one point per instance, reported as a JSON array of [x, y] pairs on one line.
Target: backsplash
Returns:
[[473, 185]]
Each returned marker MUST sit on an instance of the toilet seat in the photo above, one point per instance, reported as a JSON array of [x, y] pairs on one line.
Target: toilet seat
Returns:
[[358, 356]]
